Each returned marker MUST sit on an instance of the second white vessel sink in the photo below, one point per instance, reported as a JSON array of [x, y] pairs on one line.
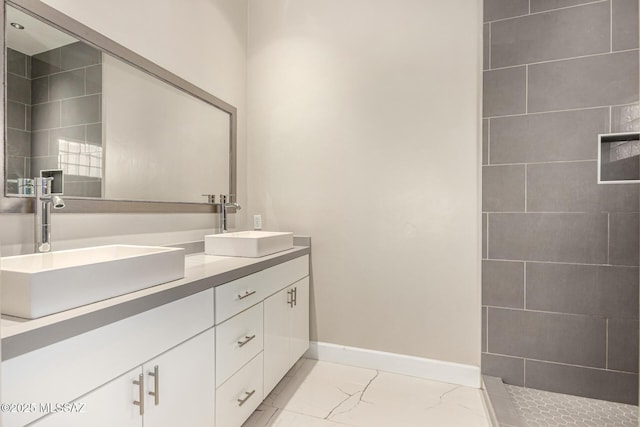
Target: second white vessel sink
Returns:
[[40, 284], [252, 244]]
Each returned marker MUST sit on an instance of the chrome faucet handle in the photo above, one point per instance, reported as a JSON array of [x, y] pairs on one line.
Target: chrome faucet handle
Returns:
[[211, 198]]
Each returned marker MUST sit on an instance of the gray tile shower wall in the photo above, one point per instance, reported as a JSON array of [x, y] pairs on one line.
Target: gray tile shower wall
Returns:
[[560, 252], [65, 94], [18, 146]]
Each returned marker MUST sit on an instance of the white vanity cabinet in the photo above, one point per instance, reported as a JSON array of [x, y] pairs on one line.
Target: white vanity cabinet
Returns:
[[182, 383], [207, 359], [242, 344], [286, 331], [69, 369]]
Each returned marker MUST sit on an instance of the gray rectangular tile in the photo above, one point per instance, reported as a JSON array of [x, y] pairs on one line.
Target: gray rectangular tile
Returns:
[[573, 187], [70, 133], [503, 188], [625, 118], [16, 62], [45, 63], [504, 92], [585, 382], [18, 89], [486, 40], [623, 239], [82, 110], [77, 55], [583, 289], [563, 33], [564, 338], [623, 345], [625, 24], [16, 168], [40, 163], [40, 143], [484, 329], [94, 133], [484, 235], [509, 369], [28, 112], [556, 237], [94, 79], [40, 90], [66, 85], [542, 5], [82, 188], [485, 141], [503, 283], [609, 79], [45, 116], [500, 9], [18, 143], [16, 115], [567, 135]]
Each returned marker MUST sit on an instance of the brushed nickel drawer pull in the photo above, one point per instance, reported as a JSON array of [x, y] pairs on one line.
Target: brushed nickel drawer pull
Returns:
[[140, 384], [248, 395], [295, 296], [156, 385], [247, 339], [290, 297], [246, 294]]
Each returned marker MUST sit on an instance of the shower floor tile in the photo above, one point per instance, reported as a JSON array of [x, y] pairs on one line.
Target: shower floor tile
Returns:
[[545, 409]]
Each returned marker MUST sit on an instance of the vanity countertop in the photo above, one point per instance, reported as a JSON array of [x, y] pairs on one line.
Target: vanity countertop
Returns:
[[202, 272]]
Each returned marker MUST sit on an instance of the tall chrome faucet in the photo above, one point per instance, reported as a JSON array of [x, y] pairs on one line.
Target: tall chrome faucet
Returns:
[[223, 210], [44, 201]]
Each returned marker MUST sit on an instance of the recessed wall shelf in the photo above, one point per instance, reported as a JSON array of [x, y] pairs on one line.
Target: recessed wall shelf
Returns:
[[619, 158]]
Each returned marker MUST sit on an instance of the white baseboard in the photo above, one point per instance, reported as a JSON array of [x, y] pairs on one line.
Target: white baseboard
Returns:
[[438, 370]]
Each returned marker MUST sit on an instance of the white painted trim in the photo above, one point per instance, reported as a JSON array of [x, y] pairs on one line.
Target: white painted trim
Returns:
[[438, 370]]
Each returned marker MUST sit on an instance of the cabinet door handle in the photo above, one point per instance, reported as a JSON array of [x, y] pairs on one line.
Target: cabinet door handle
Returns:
[[248, 395], [295, 296], [246, 340], [140, 402], [246, 294], [156, 384], [290, 297]]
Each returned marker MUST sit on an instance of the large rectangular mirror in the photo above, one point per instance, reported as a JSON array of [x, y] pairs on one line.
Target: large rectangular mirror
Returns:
[[128, 135]]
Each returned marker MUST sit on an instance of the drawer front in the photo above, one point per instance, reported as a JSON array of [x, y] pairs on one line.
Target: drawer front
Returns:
[[240, 395], [238, 340], [240, 294], [56, 373]]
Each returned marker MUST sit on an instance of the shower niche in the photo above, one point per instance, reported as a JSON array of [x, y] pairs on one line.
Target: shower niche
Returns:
[[619, 158]]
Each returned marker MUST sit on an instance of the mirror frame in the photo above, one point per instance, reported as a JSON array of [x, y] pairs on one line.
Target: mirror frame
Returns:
[[87, 35]]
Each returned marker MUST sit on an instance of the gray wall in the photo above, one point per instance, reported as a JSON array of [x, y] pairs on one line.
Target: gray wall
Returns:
[[18, 147], [53, 96], [560, 253]]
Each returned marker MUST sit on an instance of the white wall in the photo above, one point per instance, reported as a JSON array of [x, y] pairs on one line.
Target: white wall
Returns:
[[364, 133], [204, 43], [161, 143]]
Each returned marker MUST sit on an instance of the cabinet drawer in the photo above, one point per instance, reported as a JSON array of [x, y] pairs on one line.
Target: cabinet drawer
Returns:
[[238, 295], [63, 371], [240, 395], [238, 340]]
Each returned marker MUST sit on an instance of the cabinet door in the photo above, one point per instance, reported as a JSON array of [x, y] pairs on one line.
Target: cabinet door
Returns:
[[300, 321], [107, 406], [185, 384], [277, 341]]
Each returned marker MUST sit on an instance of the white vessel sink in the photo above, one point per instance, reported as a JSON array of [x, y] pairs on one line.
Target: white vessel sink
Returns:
[[252, 244], [40, 284]]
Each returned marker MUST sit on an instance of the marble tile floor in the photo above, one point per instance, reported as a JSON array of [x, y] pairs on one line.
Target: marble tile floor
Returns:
[[322, 394], [539, 408]]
